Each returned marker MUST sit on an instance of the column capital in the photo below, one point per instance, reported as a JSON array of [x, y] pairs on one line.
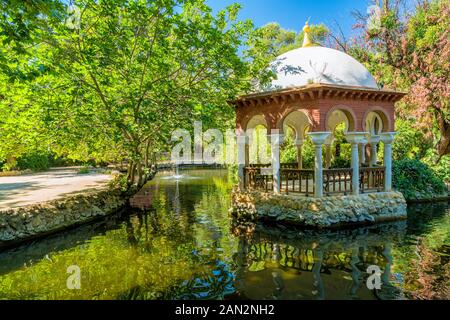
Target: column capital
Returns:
[[318, 138], [356, 137], [388, 137], [374, 139]]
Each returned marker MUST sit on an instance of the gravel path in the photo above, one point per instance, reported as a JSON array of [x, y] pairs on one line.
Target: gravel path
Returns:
[[56, 183]]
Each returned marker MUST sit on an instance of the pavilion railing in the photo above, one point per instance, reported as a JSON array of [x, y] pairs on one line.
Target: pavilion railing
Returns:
[[290, 165], [297, 181], [337, 181], [255, 180], [371, 179]]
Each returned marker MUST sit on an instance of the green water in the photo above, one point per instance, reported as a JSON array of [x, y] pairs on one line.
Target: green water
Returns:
[[184, 246]]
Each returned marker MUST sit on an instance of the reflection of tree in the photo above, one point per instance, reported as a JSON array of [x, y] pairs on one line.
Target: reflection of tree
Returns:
[[429, 277], [424, 262]]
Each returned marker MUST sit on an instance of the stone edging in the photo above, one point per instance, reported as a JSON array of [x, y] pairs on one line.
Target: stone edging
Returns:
[[33, 221], [23, 223], [326, 212]]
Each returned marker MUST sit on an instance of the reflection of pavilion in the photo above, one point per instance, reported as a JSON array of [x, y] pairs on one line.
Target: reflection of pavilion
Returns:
[[316, 90], [318, 265]]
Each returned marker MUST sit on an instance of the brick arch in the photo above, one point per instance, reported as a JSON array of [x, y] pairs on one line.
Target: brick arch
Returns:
[[386, 119], [347, 111], [289, 111], [244, 120]]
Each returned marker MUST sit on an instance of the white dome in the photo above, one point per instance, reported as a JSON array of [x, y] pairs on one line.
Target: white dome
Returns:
[[309, 65]]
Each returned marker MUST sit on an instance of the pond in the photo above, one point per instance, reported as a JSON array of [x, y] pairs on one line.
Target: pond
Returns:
[[183, 245]]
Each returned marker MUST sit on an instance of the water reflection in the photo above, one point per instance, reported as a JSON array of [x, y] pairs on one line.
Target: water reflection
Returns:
[[179, 243], [315, 265]]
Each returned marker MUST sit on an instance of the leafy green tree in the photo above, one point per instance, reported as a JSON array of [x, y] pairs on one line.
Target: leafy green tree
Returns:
[[411, 52], [278, 40], [118, 83]]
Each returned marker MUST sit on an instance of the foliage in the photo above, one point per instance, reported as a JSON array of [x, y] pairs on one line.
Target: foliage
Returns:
[[412, 52], [279, 40], [410, 142], [341, 162], [441, 169], [34, 161], [308, 154], [119, 182], [415, 179], [117, 85], [288, 152]]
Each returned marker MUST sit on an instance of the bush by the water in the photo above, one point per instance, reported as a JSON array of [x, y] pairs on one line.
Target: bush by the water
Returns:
[[416, 180], [34, 161]]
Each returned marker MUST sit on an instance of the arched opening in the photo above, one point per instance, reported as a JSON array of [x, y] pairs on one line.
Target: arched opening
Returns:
[[375, 122], [337, 151], [295, 127], [258, 149]]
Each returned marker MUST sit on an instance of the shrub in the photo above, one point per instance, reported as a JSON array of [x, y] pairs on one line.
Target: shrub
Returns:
[[442, 169], [119, 182], [341, 162], [415, 179], [410, 142], [37, 161]]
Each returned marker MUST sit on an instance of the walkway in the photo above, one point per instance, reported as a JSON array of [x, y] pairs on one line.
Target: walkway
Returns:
[[54, 184]]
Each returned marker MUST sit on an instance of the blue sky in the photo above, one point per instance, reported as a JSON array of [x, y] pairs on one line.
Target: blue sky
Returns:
[[292, 14]]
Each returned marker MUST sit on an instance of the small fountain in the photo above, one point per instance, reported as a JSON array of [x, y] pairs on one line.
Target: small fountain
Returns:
[[177, 175]]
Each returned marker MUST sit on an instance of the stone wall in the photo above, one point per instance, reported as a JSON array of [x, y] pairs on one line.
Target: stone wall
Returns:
[[326, 212], [36, 220]]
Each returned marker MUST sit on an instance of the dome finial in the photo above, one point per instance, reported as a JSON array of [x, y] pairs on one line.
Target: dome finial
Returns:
[[307, 42]]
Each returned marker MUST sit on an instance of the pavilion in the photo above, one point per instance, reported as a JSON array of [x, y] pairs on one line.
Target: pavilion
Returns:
[[316, 89]]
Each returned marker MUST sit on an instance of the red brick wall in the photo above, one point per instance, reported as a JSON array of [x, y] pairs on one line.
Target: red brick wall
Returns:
[[317, 111]]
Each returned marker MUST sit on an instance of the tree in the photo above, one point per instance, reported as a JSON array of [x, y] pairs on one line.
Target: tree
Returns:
[[412, 53], [133, 71], [278, 40]]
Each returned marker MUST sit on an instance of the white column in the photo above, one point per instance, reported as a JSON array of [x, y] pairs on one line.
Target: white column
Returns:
[[355, 138], [247, 154], [328, 142], [276, 139], [299, 144], [373, 140], [318, 138], [362, 152], [388, 139], [242, 141]]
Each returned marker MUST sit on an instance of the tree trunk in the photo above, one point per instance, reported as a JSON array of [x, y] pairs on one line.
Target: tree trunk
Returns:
[[132, 170], [140, 174], [443, 146], [147, 155]]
